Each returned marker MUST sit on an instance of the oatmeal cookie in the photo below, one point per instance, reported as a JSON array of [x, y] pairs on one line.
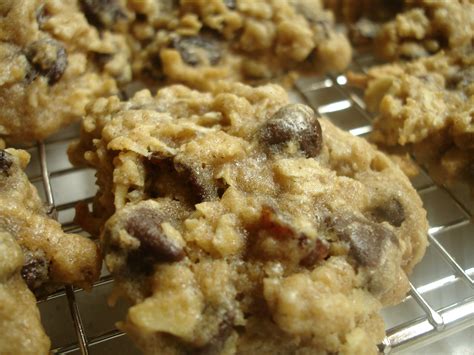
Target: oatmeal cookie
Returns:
[[53, 63], [197, 42], [244, 224], [429, 105], [425, 28], [21, 331], [51, 257]]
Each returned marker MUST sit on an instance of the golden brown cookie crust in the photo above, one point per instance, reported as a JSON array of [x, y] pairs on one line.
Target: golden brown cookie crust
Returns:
[[52, 257], [20, 327], [54, 62], [427, 104], [273, 230]]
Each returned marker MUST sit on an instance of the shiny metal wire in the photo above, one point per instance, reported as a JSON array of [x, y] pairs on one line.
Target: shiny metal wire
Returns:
[[52, 212], [431, 326]]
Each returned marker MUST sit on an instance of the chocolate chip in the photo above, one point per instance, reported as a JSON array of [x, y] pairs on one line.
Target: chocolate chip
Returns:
[[198, 50], [366, 238], [201, 180], [145, 225], [294, 123], [231, 4], [35, 270], [103, 13], [391, 211], [5, 162], [48, 57]]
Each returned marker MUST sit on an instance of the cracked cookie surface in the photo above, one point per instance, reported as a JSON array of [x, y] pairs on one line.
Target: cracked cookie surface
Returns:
[[274, 230], [51, 257], [21, 331], [54, 62]]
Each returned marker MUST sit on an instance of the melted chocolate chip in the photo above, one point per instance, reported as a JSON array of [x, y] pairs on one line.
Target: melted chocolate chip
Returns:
[[294, 123], [103, 13], [391, 211], [145, 225], [201, 180], [48, 57], [5, 162], [35, 270], [366, 239], [197, 50]]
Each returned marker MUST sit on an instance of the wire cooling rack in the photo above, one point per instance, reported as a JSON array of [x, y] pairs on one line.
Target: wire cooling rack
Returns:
[[441, 299]]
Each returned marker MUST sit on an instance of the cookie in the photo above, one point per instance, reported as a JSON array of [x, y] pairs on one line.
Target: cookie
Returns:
[[51, 257], [21, 331], [428, 104], [197, 42], [425, 28], [242, 223], [54, 62]]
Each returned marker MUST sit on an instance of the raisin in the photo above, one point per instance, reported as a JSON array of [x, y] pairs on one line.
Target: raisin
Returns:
[[293, 123], [48, 57], [145, 225], [103, 13], [366, 238], [275, 224], [5, 162], [318, 252], [391, 211], [35, 270], [198, 50], [230, 4]]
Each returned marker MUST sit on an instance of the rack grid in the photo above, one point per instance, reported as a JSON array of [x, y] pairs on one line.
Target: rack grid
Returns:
[[440, 302]]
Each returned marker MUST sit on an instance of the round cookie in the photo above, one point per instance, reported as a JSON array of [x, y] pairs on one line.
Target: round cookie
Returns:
[[427, 104], [51, 257], [243, 224], [54, 62], [425, 28], [20, 327], [197, 42]]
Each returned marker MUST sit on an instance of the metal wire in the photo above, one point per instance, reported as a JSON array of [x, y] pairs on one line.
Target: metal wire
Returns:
[[48, 190], [433, 325]]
